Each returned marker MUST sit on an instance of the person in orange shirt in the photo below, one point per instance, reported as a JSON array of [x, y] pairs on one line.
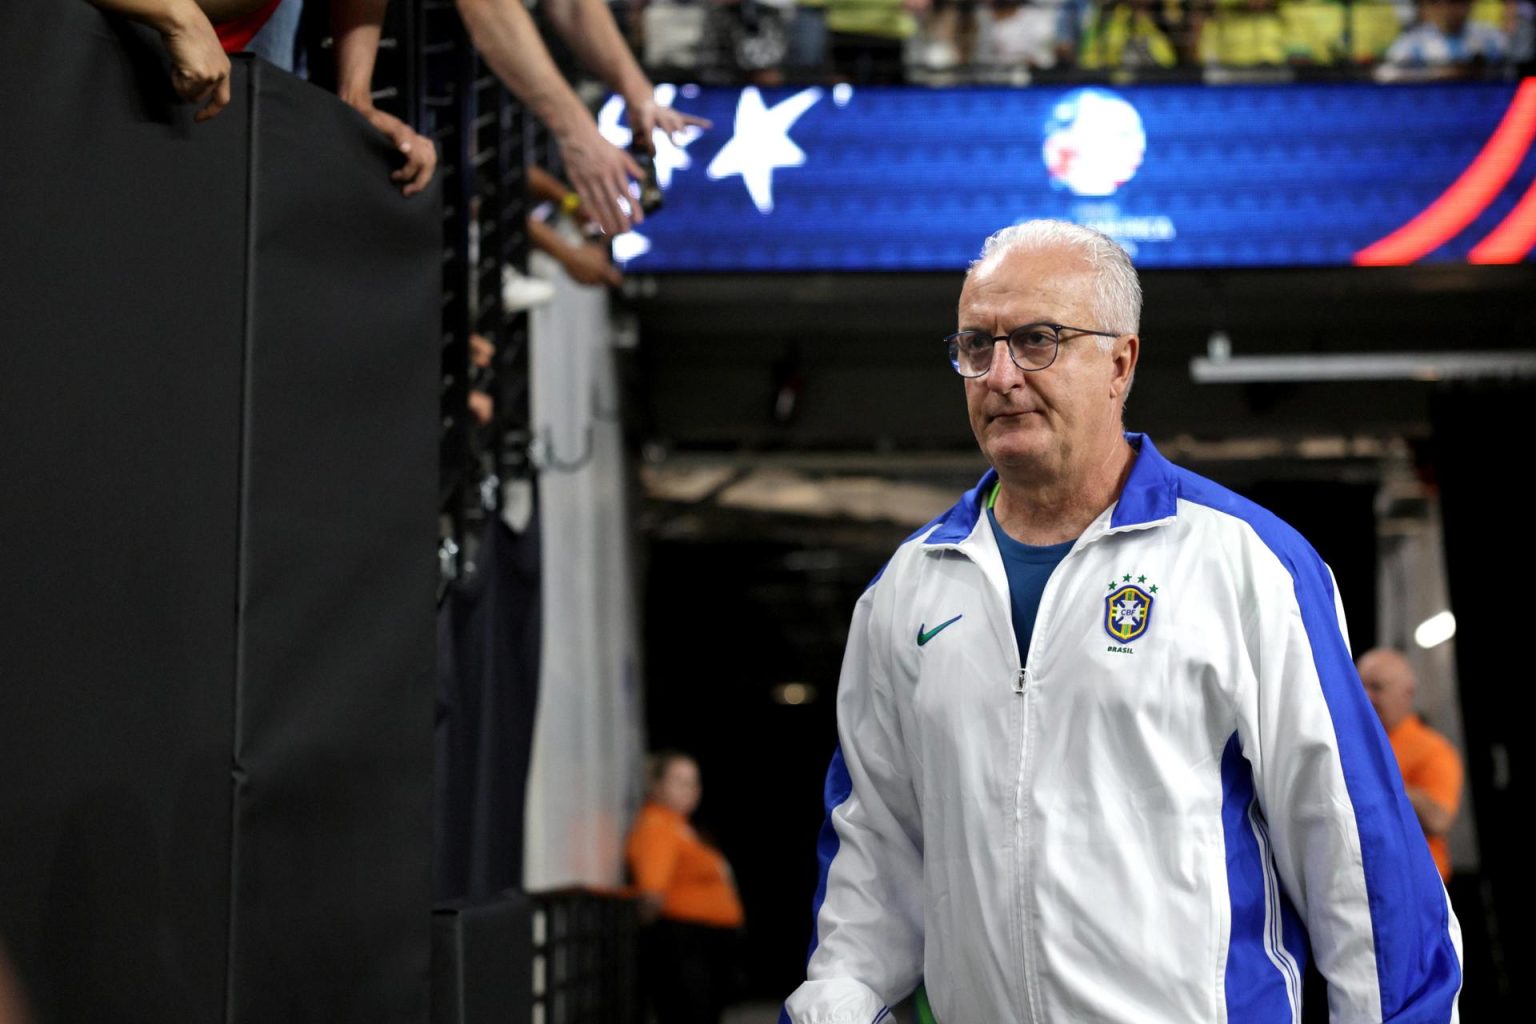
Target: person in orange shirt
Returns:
[[1430, 766], [688, 899]]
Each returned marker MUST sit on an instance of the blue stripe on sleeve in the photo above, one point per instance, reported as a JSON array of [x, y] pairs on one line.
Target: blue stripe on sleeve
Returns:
[[1260, 983], [838, 788], [1416, 963]]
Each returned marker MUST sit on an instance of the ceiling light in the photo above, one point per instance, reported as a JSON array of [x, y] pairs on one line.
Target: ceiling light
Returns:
[[1418, 366], [1435, 630], [794, 693]]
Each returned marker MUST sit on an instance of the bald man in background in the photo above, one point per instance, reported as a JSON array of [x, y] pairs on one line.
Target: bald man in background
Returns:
[[1430, 766]]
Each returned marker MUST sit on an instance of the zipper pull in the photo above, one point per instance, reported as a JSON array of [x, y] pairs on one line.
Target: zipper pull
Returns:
[[1021, 680]]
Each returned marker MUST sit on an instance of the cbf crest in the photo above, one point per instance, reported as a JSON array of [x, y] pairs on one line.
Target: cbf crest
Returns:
[[1128, 608]]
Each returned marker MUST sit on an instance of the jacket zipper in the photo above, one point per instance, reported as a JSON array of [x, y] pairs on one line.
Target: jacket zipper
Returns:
[[1021, 683], [1021, 901]]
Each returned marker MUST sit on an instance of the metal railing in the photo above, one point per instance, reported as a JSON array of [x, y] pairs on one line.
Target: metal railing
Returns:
[[584, 958]]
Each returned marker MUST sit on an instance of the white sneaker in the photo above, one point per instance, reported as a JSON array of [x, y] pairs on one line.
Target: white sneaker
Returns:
[[520, 292]]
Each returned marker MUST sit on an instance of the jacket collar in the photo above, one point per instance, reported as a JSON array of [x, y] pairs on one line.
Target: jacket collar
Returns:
[[1149, 498], [1151, 493]]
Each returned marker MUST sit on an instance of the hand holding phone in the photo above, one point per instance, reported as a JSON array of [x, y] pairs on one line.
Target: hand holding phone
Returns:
[[649, 193]]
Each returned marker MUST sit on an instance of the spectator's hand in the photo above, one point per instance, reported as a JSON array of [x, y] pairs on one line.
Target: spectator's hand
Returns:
[[600, 173], [481, 352], [589, 264], [482, 407], [420, 153], [583, 220], [199, 65], [648, 115]]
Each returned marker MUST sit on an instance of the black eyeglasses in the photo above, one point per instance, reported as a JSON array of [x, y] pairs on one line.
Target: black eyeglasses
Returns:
[[1031, 347]]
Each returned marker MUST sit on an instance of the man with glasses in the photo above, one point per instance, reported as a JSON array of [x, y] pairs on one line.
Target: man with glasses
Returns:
[[1103, 752]]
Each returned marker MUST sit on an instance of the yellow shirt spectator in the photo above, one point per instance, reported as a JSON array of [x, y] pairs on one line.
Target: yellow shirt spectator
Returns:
[[1243, 34], [1126, 35], [1315, 30]]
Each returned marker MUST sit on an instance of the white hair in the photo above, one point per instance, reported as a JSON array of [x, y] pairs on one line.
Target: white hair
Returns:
[[1116, 288]]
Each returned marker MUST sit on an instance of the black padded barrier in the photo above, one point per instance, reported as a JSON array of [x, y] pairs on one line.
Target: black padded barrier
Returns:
[[218, 424], [482, 961]]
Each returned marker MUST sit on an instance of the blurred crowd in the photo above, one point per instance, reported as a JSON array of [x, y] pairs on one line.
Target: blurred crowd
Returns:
[[767, 42]]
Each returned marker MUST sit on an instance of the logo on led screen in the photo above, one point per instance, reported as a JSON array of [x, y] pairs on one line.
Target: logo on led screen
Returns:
[[1094, 142]]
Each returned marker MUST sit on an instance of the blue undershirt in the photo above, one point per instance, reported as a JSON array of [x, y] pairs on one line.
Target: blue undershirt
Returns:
[[1028, 568]]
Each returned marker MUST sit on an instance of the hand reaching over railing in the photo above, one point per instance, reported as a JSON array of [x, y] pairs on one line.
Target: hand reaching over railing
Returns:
[[199, 65]]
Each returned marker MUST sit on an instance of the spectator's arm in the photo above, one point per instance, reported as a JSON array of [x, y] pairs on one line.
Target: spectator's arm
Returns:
[[199, 65], [1433, 785], [1435, 819], [588, 28], [356, 26], [545, 187], [652, 853], [586, 264], [600, 173]]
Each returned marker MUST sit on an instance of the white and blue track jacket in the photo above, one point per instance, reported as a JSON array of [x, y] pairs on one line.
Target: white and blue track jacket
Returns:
[[1155, 816]]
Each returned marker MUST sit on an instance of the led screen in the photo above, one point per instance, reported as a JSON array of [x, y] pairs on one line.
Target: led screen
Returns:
[[860, 179]]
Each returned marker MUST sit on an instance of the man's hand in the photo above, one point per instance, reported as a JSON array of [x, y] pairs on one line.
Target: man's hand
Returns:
[[199, 65], [589, 264], [420, 153], [600, 173], [646, 115]]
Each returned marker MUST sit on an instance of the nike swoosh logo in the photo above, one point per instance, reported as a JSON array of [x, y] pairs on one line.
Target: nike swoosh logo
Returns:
[[924, 635]]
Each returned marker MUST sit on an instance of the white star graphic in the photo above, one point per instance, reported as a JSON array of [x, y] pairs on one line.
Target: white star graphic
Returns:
[[608, 123], [761, 143], [670, 153]]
